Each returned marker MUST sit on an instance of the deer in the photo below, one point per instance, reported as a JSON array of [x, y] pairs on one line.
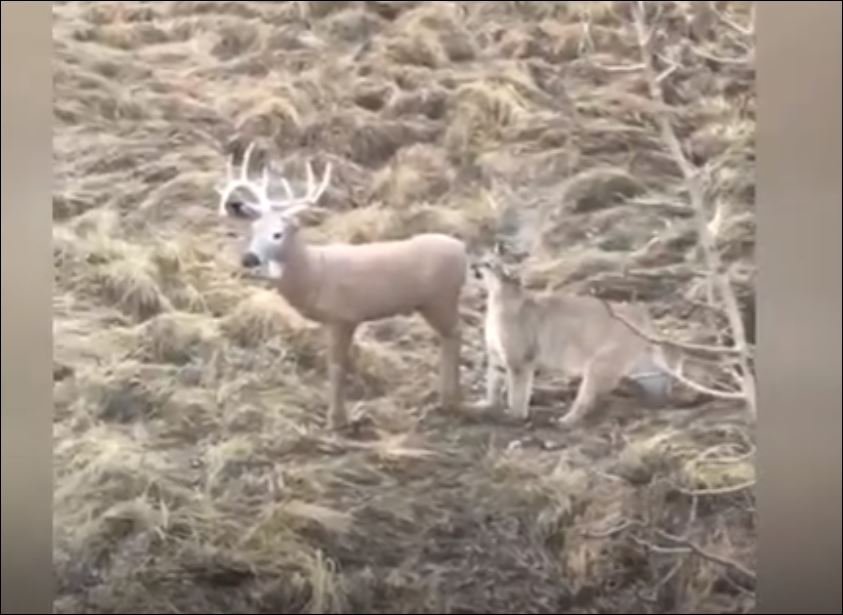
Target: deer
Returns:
[[558, 331], [340, 286]]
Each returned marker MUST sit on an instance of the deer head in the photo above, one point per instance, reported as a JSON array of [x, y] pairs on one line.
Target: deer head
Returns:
[[274, 222]]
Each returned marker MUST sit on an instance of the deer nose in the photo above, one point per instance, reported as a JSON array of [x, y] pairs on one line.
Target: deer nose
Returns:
[[250, 260]]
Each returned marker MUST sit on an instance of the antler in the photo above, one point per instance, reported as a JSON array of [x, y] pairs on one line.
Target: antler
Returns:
[[293, 204], [260, 190], [241, 180]]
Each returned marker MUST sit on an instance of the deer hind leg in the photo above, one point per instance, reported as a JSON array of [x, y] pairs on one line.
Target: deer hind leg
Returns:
[[445, 321], [340, 337], [601, 375], [520, 388]]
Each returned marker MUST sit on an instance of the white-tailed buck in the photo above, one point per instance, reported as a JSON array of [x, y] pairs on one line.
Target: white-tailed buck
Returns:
[[344, 285], [563, 333]]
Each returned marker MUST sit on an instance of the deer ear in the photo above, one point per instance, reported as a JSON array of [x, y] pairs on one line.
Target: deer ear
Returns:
[[235, 208]]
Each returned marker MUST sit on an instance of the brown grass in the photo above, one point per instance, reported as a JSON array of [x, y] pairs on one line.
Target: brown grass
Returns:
[[193, 466]]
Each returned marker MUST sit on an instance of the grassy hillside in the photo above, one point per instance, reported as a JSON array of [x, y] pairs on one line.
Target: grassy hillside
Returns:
[[193, 468]]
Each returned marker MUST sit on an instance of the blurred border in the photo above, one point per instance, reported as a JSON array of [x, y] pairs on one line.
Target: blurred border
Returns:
[[26, 430], [798, 254], [799, 306]]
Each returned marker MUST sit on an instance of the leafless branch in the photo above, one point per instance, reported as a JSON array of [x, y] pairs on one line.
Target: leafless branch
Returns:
[[677, 545], [692, 177], [618, 68], [745, 60], [745, 31], [707, 555], [661, 341], [701, 388], [726, 490], [621, 527]]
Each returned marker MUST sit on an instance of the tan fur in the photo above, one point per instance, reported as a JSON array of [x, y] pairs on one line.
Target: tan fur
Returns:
[[559, 332], [345, 285]]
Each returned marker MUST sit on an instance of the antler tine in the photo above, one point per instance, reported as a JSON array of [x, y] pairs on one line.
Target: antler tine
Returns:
[[241, 180], [265, 181], [326, 179], [310, 178], [244, 167], [312, 193], [229, 168], [288, 189]]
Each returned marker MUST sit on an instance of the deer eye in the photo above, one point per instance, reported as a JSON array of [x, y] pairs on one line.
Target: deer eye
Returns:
[[277, 236]]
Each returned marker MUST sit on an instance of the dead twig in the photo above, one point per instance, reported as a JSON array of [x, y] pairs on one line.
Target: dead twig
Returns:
[[748, 31], [707, 555], [742, 61], [701, 388], [618, 68], [678, 545], [727, 490]]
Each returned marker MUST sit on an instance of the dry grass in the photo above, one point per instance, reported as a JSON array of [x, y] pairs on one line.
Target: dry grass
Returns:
[[193, 467]]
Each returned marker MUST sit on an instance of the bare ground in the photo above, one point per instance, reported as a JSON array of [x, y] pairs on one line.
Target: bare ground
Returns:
[[193, 469]]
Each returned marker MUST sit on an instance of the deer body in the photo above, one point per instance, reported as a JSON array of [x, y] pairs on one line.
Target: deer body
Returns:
[[569, 334], [355, 283], [344, 285]]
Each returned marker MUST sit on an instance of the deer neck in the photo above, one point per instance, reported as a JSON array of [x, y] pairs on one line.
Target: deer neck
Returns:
[[301, 278]]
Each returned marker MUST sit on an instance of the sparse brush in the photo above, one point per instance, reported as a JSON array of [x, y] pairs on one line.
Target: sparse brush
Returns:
[[482, 111], [264, 316], [132, 288], [355, 24], [179, 338], [431, 36], [275, 117], [370, 142], [417, 174]]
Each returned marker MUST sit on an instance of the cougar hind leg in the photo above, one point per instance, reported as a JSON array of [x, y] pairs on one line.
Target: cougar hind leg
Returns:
[[601, 375]]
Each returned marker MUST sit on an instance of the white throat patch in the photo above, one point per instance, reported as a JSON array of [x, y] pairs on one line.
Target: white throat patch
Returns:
[[274, 270]]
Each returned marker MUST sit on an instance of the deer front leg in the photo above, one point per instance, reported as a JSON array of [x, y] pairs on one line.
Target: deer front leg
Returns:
[[449, 369], [444, 319], [340, 336]]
